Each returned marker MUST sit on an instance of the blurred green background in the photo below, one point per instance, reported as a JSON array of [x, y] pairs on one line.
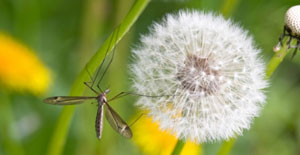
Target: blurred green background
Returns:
[[64, 34]]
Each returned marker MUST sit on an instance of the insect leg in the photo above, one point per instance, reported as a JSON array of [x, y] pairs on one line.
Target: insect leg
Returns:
[[102, 64], [122, 94], [98, 84], [136, 120], [110, 61], [86, 83], [118, 96], [86, 68]]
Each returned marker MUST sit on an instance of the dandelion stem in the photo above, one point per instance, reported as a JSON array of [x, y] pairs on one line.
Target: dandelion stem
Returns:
[[8, 130], [60, 133], [275, 61], [271, 67], [226, 147], [228, 7], [178, 147]]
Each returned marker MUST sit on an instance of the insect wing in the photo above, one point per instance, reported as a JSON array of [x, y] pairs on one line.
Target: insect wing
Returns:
[[117, 123], [99, 121], [66, 100]]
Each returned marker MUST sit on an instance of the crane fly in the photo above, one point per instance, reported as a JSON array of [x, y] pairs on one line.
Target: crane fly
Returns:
[[113, 118], [115, 121]]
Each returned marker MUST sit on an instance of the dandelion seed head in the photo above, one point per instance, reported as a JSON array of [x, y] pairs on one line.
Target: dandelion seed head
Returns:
[[292, 19], [210, 66]]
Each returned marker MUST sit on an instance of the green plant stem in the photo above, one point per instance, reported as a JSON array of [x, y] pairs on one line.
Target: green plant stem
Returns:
[[60, 133], [178, 147], [9, 134], [226, 147], [228, 7], [275, 61], [271, 67]]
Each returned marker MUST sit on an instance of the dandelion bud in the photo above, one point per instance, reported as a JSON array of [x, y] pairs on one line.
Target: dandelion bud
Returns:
[[206, 70], [292, 19], [291, 30]]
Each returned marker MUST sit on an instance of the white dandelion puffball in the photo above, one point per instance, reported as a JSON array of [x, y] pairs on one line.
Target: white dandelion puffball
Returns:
[[292, 19], [211, 71]]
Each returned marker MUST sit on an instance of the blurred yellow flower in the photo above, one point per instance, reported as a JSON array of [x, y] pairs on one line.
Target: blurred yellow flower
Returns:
[[20, 69], [153, 141]]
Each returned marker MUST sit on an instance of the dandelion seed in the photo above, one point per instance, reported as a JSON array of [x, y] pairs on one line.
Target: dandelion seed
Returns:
[[179, 56]]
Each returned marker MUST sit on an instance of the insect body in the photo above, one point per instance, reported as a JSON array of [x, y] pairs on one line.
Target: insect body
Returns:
[[115, 121]]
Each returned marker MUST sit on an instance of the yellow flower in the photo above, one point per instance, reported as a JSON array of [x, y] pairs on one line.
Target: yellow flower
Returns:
[[20, 69], [154, 141]]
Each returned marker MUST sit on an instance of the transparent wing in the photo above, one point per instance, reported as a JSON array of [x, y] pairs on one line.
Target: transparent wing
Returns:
[[66, 100], [117, 123]]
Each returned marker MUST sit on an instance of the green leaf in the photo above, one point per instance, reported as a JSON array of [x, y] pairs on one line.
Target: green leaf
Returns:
[[178, 147]]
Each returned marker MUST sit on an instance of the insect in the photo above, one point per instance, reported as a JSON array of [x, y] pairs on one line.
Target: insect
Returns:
[[114, 119], [291, 29]]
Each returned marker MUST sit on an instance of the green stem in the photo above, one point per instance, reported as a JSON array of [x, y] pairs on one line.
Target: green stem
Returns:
[[8, 131], [228, 7], [60, 133], [275, 61], [226, 147], [178, 147], [271, 67]]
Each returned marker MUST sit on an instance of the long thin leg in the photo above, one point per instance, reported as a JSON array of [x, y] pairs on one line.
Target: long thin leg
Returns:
[[106, 69], [99, 82], [118, 96], [91, 88], [122, 94], [136, 120], [90, 75], [91, 78], [102, 63]]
